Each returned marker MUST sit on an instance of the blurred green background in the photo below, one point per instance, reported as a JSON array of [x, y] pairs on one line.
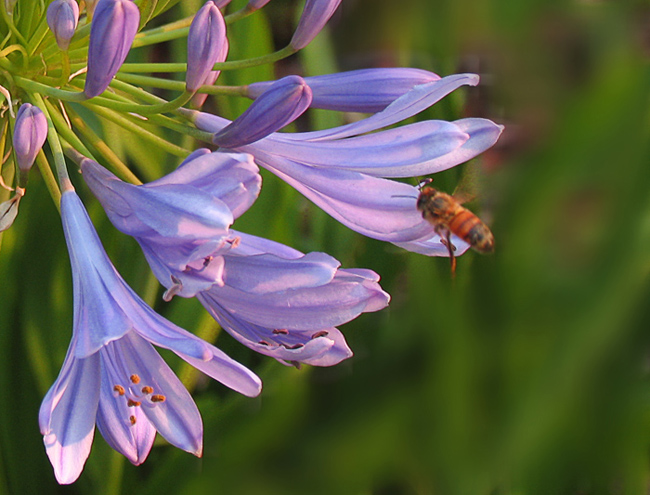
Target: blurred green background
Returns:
[[527, 374]]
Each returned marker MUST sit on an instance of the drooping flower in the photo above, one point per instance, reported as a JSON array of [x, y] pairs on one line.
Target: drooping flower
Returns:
[[62, 18], [272, 298], [282, 103], [30, 132], [181, 221], [207, 44], [314, 17], [114, 26], [112, 376], [343, 170]]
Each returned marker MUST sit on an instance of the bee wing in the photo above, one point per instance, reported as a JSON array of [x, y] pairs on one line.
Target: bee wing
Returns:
[[468, 187]]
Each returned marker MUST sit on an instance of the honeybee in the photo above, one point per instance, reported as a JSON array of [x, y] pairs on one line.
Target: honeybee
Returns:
[[447, 216]]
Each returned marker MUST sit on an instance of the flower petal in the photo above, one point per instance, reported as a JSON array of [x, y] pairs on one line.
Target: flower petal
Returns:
[[67, 415]]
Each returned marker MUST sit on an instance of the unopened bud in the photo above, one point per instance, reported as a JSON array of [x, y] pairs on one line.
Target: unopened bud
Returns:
[[30, 132], [115, 24], [314, 17], [62, 18], [206, 45], [284, 101]]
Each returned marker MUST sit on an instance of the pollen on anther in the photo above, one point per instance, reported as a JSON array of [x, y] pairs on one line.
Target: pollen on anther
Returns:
[[132, 419], [119, 389], [132, 403], [147, 390], [158, 398], [281, 331], [322, 333], [135, 379]]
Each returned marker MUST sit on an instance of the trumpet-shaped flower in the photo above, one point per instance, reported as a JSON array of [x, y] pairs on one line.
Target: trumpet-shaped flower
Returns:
[[62, 18], [343, 170], [181, 221], [112, 376], [114, 26], [270, 297]]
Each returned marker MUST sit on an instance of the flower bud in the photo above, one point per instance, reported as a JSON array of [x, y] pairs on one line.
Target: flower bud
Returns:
[[115, 24], [62, 17], [284, 101], [206, 45], [314, 16], [365, 90], [29, 135]]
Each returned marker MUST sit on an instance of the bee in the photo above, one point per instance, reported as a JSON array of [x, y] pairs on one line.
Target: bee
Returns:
[[448, 216]]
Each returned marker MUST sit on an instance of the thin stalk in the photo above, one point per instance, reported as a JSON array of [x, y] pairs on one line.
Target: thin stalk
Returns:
[[159, 82], [35, 87], [55, 144], [168, 106], [100, 145], [49, 179], [137, 129]]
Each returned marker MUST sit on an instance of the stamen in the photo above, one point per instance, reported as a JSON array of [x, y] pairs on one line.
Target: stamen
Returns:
[[132, 419], [173, 290], [119, 389], [234, 242], [147, 390], [158, 398], [207, 260], [281, 331], [263, 342], [295, 346], [322, 333], [134, 379], [132, 403]]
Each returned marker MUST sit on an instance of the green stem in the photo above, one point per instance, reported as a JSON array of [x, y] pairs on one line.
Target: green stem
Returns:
[[137, 129], [65, 68], [55, 144], [49, 179], [185, 129], [144, 109], [35, 87], [10, 23], [159, 82], [236, 64], [37, 38], [100, 145]]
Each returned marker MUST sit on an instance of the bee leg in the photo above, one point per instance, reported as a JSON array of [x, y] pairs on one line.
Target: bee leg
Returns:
[[445, 239]]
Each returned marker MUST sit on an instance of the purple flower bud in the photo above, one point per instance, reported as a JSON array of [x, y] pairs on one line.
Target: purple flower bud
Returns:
[[284, 101], [115, 24], [366, 90], [206, 45], [62, 17], [221, 3], [314, 16], [29, 136]]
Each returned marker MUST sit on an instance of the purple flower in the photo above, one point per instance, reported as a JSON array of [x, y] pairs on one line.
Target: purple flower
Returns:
[[181, 220], [343, 169], [314, 17], [207, 44], [115, 24], [286, 304], [62, 18], [112, 376], [30, 132], [365, 90], [270, 297], [282, 103]]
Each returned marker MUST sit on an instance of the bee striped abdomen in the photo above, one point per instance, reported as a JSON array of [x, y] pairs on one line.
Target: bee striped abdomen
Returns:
[[472, 230]]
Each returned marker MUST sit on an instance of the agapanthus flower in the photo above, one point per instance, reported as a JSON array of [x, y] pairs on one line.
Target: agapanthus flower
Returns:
[[62, 18], [344, 170], [114, 26], [272, 298], [112, 376]]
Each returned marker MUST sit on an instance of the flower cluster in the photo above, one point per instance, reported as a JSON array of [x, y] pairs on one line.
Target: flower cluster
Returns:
[[65, 60]]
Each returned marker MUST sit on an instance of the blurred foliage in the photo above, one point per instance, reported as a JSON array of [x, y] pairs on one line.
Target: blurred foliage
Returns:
[[526, 374]]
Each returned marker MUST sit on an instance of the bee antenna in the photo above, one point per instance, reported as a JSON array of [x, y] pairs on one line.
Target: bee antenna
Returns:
[[424, 182]]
